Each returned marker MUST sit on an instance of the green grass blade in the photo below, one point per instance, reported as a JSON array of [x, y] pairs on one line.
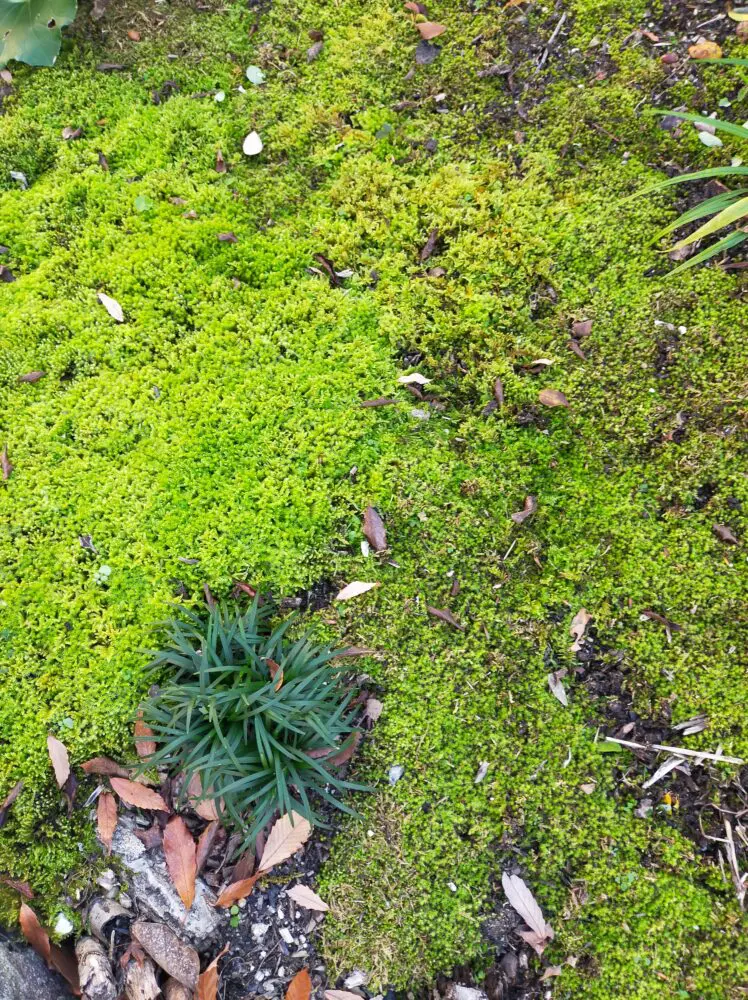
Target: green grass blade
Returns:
[[726, 243], [733, 213]]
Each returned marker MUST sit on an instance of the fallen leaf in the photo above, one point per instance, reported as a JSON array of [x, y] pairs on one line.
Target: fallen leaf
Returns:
[[244, 867], [579, 623], [105, 766], [355, 589], [133, 35], [150, 837], [276, 670], [724, 534], [71, 133], [177, 959], [574, 346], [522, 900], [135, 794], [207, 984], [288, 834], [304, 896], [205, 844], [705, 50], [589, 787], [6, 275], [220, 163], [415, 378], [374, 530], [557, 688], [228, 237], [205, 808], [430, 29], [498, 391], [10, 798], [58, 754], [329, 269], [381, 401], [552, 397], [482, 772], [651, 36], [55, 957], [315, 34], [6, 466], [314, 50], [255, 75], [431, 241], [23, 887], [341, 995], [529, 508], [426, 53], [106, 819], [416, 8], [445, 615], [144, 742], [238, 890], [550, 972], [252, 144], [373, 709], [671, 626], [300, 987], [581, 328], [348, 750], [69, 789], [179, 851], [112, 306], [31, 377]]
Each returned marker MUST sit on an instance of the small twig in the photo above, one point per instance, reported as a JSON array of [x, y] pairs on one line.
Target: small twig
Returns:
[[677, 750], [551, 40]]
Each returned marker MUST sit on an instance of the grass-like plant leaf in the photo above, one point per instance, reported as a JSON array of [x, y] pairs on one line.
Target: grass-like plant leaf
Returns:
[[726, 243], [258, 747], [732, 213]]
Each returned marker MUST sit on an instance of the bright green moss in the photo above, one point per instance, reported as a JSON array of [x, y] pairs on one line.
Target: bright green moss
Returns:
[[220, 422]]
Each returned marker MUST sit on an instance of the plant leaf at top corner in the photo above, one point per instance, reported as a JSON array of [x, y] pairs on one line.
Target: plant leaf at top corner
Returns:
[[30, 29]]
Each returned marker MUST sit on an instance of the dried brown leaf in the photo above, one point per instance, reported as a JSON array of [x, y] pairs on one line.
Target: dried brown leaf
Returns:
[[144, 742], [58, 754], [574, 346], [445, 615], [207, 984], [306, 897], [380, 401], [528, 509], [581, 328], [373, 709], [725, 534], [498, 391], [105, 766], [228, 237], [31, 377], [355, 589], [205, 843], [416, 8], [705, 50], [10, 798], [238, 890], [106, 819], [327, 265], [347, 751], [276, 673], [71, 133], [6, 466], [179, 851], [300, 987], [557, 688], [522, 900], [374, 530], [314, 50], [55, 957], [655, 617], [433, 238], [23, 887], [205, 808], [430, 29], [135, 794], [552, 397], [579, 623], [220, 163], [177, 959], [103, 163], [288, 834]]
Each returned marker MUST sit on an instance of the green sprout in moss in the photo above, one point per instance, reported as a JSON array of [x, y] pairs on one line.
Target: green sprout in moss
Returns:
[[257, 718]]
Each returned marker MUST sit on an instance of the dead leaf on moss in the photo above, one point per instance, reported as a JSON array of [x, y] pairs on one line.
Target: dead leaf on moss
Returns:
[[300, 987], [579, 623], [705, 50], [374, 530], [552, 397], [341, 995], [655, 617], [58, 754], [445, 615], [574, 346], [430, 29], [228, 237], [179, 851], [550, 972], [498, 391], [55, 957], [725, 534], [22, 887], [581, 328], [314, 50], [69, 133], [328, 267], [6, 466], [348, 750], [373, 709], [112, 306], [106, 819], [105, 766], [144, 742], [10, 798], [177, 959], [133, 35], [381, 401], [220, 163], [135, 794], [557, 688], [529, 508], [522, 900], [416, 8], [355, 589], [31, 377], [205, 843], [431, 241]]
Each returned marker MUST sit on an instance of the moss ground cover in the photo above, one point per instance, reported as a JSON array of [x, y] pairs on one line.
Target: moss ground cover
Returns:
[[221, 421]]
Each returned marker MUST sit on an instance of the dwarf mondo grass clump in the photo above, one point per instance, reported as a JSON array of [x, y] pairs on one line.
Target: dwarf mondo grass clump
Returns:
[[259, 719]]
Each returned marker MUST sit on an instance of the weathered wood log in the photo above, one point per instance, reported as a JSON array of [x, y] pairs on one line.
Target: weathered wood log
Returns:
[[95, 970], [140, 980]]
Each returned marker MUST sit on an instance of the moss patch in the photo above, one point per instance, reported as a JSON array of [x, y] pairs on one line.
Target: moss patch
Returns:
[[220, 422]]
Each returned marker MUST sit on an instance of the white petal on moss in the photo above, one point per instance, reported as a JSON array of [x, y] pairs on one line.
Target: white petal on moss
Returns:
[[414, 378], [355, 589], [252, 144], [710, 140], [112, 306]]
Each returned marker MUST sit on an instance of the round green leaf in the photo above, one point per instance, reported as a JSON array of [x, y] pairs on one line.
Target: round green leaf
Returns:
[[30, 29]]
